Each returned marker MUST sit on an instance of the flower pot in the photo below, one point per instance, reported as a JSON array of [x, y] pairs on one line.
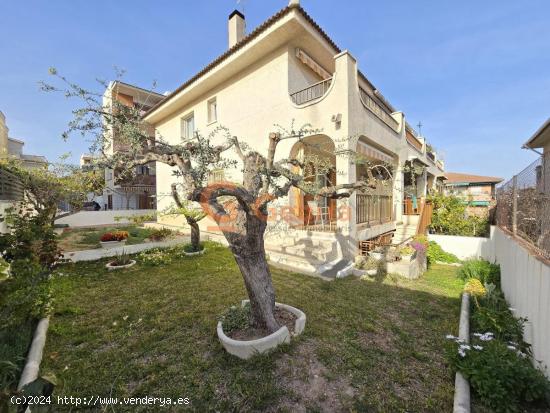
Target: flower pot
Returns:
[[244, 349], [112, 244], [192, 254], [376, 255], [112, 267]]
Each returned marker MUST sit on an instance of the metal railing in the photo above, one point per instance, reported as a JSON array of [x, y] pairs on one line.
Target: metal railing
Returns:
[[312, 92], [523, 205], [373, 209], [375, 108]]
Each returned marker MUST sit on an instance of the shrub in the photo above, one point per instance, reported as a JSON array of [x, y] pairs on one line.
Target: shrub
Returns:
[[436, 254], [236, 318], [450, 217], [474, 287], [484, 271], [366, 263], [122, 259], [499, 372], [406, 250], [158, 234], [191, 248], [114, 236]]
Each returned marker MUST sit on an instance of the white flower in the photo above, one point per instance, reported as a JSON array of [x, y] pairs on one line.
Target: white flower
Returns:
[[486, 337], [465, 347], [522, 355], [461, 352], [511, 309], [477, 334], [478, 347], [511, 347], [450, 337], [125, 318]]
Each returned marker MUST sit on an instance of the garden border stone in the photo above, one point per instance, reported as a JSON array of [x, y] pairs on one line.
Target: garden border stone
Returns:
[[246, 349], [111, 267], [34, 357], [462, 387]]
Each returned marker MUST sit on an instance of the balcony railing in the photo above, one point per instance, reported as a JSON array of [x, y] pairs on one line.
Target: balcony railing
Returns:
[[373, 209], [375, 108], [312, 92]]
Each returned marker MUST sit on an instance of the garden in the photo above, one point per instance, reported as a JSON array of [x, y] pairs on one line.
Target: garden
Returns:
[[150, 330]]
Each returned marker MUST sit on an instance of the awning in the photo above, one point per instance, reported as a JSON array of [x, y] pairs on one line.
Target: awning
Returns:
[[373, 153]]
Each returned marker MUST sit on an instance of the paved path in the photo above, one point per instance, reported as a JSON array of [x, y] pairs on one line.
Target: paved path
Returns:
[[98, 253]]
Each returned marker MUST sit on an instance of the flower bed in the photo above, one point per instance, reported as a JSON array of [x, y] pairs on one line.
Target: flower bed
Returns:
[[497, 361], [114, 236]]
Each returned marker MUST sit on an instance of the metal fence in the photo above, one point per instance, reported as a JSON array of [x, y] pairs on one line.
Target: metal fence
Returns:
[[523, 205]]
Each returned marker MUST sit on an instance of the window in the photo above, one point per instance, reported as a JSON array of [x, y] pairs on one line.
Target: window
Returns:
[[212, 110], [216, 175], [187, 127]]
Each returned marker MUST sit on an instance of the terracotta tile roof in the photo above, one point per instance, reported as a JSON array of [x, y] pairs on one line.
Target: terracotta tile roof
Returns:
[[456, 177], [255, 33]]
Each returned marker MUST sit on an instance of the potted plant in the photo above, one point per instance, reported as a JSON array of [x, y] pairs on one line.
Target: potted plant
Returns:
[[191, 250], [407, 253], [377, 253], [113, 239], [366, 266], [121, 261]]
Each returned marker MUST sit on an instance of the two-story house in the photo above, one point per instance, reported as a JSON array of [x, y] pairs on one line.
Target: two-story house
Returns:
[[140, 192], [288, 69]]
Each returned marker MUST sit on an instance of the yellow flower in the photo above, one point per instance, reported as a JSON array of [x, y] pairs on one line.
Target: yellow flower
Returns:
[[474, 287]]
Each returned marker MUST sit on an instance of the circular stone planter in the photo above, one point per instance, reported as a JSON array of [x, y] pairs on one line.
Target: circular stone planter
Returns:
[[112, 244], [246, 349], [192, 254], [112, 267]]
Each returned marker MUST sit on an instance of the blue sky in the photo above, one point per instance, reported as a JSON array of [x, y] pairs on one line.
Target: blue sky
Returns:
[[475, 73]]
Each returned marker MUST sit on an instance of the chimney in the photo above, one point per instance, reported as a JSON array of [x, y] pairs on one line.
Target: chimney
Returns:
[[235, 27]]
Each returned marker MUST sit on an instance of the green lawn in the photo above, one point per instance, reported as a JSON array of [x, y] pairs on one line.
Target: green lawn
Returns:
[[150, 331], [88, 238]]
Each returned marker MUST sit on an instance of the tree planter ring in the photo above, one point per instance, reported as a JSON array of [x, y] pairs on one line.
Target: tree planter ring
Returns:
[[112, 267], [112, 244], [248, 348], [192, 254]]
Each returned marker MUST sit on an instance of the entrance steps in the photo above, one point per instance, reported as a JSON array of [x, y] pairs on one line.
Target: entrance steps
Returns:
[[304, 251], [406, 229]]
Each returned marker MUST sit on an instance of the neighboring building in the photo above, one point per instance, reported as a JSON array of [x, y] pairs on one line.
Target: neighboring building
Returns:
[[140, 193], [475, 189], [290, 69], [541, 140], [13, 148]]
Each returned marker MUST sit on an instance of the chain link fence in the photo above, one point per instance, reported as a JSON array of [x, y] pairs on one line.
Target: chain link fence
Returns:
[[523, 205]]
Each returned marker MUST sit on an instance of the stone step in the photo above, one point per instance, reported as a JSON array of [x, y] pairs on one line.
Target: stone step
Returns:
[[304, 251]]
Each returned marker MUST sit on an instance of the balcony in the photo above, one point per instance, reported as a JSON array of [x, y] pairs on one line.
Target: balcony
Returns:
[[140, 183], [413, 141], [377, 110], [312, 92]]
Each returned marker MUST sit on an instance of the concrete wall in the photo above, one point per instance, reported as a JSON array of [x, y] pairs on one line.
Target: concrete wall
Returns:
[[525, 282], [466, 247], [98, 218]]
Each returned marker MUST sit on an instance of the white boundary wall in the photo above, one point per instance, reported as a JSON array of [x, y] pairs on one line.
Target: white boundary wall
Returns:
[[466, 247], [525, 282], [98, 218]]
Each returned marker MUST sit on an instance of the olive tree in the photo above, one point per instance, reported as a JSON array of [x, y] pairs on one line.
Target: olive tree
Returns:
[[240, 210]]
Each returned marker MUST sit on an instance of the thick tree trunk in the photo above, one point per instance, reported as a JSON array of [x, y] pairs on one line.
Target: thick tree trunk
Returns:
[[257, 279], [195, 234]]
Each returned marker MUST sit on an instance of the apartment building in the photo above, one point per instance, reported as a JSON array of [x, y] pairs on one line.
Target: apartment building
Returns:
[[13, 148], [139, 192], [289, 69]]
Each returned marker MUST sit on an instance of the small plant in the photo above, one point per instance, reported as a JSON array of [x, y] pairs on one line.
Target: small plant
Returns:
[[499, 372], [114, 236], [406, 250], [159, 234], [366, 263], [236, 318], [482, 270], [121, 259], [190, 248]]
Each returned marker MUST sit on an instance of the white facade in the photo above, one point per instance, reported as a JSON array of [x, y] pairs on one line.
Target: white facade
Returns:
[[255, 85]]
